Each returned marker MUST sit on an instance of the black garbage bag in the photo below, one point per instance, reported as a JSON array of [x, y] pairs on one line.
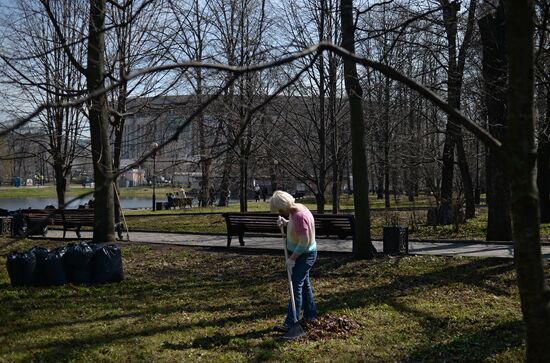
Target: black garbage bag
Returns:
[[20, 266], [40, 254], [77, 261], [55, 271], [107, 264]]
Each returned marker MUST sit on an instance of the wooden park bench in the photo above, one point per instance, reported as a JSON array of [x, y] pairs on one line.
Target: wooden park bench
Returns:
[[181, 203], [74, 219], [38, 220], [328, 225]]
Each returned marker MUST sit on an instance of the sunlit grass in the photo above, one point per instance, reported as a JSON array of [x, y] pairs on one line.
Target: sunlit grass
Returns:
[[182, 304], [473, 229]]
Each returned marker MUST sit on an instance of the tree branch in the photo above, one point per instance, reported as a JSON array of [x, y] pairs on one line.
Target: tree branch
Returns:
[[59, 33]]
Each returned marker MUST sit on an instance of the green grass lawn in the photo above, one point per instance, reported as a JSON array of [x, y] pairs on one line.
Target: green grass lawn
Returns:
[[473, 229], [183, 304], [76, 190]]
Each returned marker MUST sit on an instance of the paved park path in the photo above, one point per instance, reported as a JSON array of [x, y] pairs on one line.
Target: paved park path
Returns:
[[450, 248]]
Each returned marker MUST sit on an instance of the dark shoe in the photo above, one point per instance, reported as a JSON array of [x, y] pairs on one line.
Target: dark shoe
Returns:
[[281, 328]]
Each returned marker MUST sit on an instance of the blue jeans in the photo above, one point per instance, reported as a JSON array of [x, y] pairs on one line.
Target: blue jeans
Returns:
[[303, 295]]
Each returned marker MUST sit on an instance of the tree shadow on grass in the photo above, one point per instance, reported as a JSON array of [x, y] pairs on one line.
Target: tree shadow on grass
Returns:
[[124, 295], [476, 346], [476, 272], [264, 350], [473, 347], [220, 340], [70, 348]]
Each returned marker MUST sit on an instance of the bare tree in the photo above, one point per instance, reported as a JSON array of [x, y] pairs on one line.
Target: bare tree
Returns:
[[534, 294], [492, 31], [542, 63], [104, 228], [316, 118], [133, 43], [240, 26], [363, 247], [191, 40], [453, 133], [44, 73]]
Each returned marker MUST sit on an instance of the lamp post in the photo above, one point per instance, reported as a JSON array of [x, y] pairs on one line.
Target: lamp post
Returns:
[[154, 146]]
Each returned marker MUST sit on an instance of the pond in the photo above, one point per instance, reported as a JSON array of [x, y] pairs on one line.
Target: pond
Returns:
[[40, 203]]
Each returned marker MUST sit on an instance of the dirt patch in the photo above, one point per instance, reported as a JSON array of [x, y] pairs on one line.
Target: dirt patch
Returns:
[[330, 326]]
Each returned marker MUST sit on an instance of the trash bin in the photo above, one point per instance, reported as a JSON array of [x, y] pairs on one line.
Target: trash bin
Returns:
[[396, 240], [6, 226], [160, 205]]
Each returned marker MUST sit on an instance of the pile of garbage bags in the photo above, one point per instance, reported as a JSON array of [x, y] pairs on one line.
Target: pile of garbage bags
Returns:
[[79, 263]]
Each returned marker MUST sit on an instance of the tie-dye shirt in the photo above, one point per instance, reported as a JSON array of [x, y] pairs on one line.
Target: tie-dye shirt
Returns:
[[301, 232]]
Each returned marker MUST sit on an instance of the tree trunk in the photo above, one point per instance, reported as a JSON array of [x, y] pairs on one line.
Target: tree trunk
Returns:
[[205, 184], [386, 138], [321, 131], [320, 201], [466, 179], [336, 169], [273, 178], [447, 172], [104, 230], [204, 195], [534, 294], [362, 247], [453, 134], [60, 184], [243, 183], [492, 31], [380, 184], [119, 132], [543, 165], [117, 150], [224, 184]]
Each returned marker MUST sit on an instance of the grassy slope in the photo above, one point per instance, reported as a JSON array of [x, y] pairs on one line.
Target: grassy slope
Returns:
[[74, 190], [179, 304], [473, 229]]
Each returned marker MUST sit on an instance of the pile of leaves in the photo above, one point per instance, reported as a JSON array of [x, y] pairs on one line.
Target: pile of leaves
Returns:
[[330, 326]]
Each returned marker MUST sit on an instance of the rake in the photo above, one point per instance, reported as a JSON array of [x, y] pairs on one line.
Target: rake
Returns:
[[295, 331]]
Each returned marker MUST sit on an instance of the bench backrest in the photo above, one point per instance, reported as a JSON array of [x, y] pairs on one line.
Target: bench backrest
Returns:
[[83, 217], [341, 225], [251, 222], [182, 202], [42, 216]]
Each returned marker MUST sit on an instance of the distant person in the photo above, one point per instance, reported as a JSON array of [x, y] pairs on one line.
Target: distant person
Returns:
[[211, 196], [300, 242], [264, 193], [169, 200], [257, 193]]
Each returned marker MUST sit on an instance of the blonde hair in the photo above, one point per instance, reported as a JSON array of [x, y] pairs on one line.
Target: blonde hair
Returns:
[[280, 200]]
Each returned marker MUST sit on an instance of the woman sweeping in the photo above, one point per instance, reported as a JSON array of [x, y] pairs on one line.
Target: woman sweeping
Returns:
[[301, 245]]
